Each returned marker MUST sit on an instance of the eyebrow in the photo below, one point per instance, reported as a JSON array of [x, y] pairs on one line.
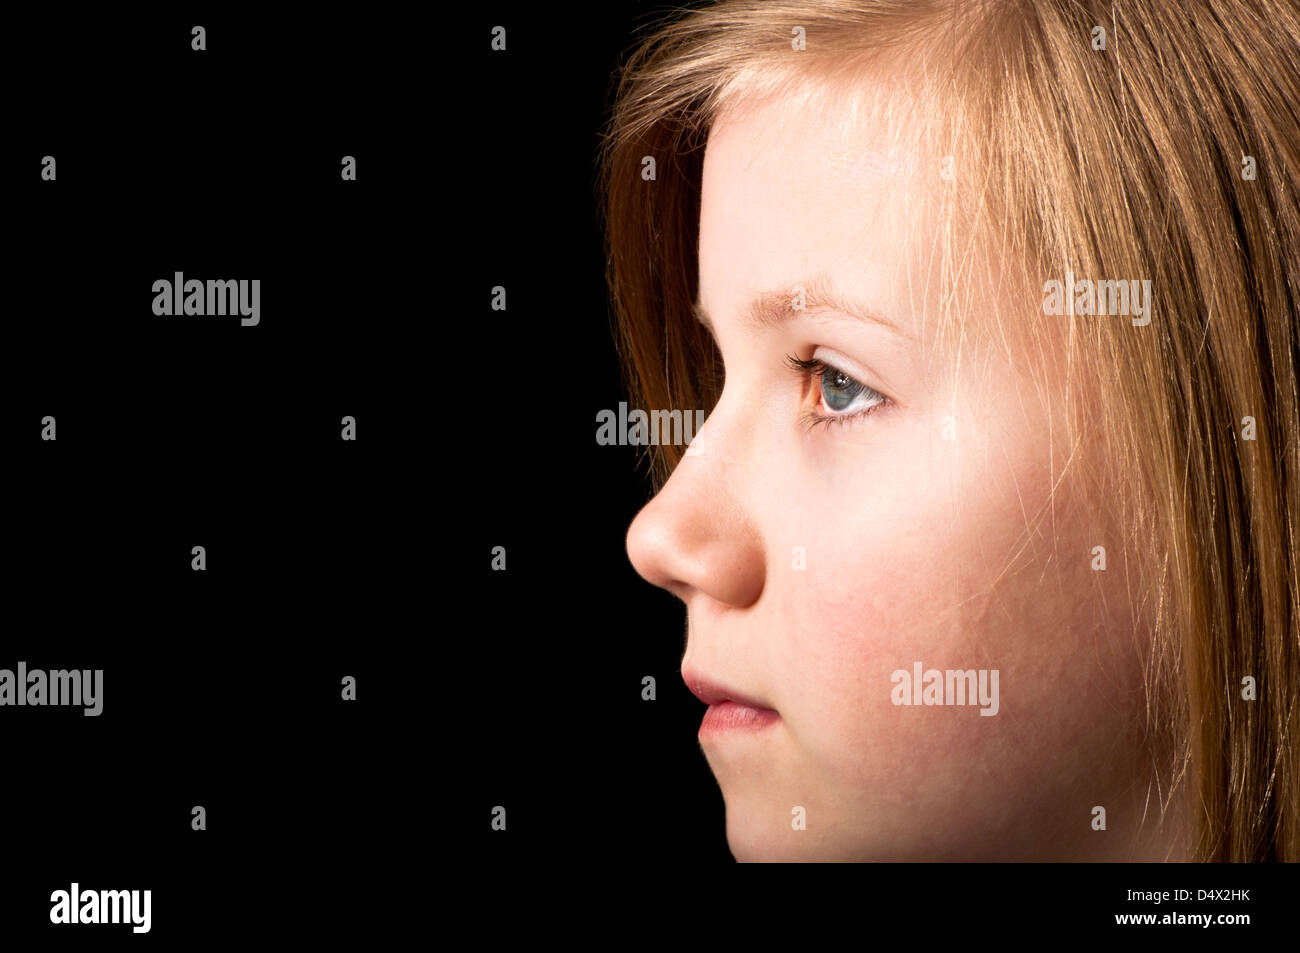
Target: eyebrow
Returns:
[[771, 309]]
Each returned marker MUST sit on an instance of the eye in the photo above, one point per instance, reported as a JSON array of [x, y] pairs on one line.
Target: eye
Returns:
[[839, 390], [843, 396]]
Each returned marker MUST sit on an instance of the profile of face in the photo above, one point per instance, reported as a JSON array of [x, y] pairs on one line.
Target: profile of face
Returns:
[[865, 501]]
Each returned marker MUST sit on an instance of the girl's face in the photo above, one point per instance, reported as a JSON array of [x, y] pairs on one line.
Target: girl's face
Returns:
[[834, 527]]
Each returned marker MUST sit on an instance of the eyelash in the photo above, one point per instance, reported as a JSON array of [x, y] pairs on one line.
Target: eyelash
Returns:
[[810, 371]]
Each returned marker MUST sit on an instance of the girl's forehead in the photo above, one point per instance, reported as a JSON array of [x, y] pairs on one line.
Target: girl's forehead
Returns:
[[843, 123], [805, 162], [782, 199]]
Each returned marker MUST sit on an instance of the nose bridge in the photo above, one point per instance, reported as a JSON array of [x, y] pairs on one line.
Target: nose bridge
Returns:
[[699, 533], [719, 457]]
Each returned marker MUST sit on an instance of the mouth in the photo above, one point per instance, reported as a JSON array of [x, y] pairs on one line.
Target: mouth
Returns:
[[729, 710]]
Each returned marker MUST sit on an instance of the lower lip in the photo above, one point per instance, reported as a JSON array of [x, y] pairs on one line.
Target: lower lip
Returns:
[[731, 716]]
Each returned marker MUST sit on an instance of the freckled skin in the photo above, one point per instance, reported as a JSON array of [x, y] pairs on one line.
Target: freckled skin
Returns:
[[919, 548]]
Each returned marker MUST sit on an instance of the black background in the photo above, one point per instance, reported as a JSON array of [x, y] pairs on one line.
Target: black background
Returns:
[[221, 688], [476, 429]]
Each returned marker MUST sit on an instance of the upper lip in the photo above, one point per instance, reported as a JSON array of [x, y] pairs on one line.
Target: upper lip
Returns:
[[711, 692]]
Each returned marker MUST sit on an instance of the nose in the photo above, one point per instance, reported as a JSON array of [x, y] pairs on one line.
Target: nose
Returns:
[[697, 536]]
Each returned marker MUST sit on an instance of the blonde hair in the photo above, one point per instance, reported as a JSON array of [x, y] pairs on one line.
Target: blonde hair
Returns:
[[1124, 161]]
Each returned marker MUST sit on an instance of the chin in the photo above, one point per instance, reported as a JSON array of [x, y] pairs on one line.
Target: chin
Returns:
[[759, 831]]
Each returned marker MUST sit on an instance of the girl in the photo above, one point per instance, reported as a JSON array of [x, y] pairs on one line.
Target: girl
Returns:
[[989, 543]]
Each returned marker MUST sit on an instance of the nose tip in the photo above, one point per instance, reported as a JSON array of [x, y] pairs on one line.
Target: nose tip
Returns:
[[648, 548], [681, 543]]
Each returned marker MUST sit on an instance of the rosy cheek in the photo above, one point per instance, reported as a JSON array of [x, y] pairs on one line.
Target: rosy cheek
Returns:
[[870, 603], [839, 633]]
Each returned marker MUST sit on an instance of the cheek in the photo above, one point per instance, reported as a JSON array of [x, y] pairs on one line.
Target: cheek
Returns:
[[882, 589], [935, 564]]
